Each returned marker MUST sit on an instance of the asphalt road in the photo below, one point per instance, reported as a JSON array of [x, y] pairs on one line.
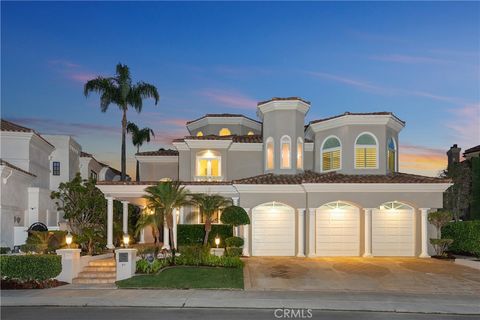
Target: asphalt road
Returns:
[[123, 313]]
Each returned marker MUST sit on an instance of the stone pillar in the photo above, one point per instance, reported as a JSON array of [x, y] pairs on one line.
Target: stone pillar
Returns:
[[311, 232], [70, 264], [424, 231], [175, 214], [110, 223], [246, 235], [126, 263], [301, 232], [125, 216], [166, 238], [182, 216], [368, 232]]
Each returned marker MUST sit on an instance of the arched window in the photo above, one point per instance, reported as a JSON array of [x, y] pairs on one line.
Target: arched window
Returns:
[[366, 151], [199, 134], [286, 156], [391, 155], [299, 153], [270, 156], [209, 165], [250, 133], [331, 154], [224, 132]]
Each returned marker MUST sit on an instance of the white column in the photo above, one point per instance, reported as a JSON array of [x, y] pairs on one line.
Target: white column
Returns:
[[368, 232], [182, 216], [311, 232], [166, 239], [301, 232], [235, 201], [424, 230], [236, 230], [246, 236], [125, 216], [110, 223], [175, 215], [142, 235]]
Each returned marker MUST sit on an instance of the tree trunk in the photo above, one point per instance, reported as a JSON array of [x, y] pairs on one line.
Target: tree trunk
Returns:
[[137, 174], [208, 227], [124, 150]]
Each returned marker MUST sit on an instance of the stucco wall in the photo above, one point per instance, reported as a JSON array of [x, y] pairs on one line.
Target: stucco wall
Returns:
[[243, 164], [150, 171]]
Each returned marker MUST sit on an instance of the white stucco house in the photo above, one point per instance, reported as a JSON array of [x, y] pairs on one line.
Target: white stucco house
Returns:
[[330, 187], [31, 166]]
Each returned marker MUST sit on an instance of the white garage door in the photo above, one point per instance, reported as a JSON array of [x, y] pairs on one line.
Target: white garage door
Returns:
[[338, 230], [273, 230], [393, 231]]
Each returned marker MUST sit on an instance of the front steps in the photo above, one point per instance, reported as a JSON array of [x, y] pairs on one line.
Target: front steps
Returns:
[[97, 272]]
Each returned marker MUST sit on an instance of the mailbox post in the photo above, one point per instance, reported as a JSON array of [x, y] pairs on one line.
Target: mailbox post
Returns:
[[126, 263]]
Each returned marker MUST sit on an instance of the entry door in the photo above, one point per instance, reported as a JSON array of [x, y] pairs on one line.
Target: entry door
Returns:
[[393, 232]]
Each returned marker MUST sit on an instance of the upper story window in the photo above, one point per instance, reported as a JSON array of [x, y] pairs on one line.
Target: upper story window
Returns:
[[299, 153], [286, 155], [391, 155], [250, 133], [56, 168], [366, 151], [209, 165], [199, 134], [331, 154], [224, 132], [270, 154]]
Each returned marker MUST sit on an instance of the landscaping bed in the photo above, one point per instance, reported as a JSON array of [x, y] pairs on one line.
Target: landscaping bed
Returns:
[[8, 284]]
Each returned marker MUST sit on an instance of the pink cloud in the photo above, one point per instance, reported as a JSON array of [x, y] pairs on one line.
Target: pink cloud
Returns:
[[400, 58], [230, 99], [422, 160], [71, 71], [175, 122], [81, 77], [465, 125]]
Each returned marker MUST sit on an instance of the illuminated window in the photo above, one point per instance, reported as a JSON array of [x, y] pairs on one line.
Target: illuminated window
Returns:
[[208, 164], [391, 155], [270, 156], [250, 133], [286, 147], [331, 154], [299, 153], [366, 152], [224, 132], [199, 134]]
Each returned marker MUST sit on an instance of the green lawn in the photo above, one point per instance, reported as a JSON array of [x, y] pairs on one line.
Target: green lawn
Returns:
[[188, 277]]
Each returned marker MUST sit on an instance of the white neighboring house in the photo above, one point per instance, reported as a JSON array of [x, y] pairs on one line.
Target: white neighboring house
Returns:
[[32, 166]]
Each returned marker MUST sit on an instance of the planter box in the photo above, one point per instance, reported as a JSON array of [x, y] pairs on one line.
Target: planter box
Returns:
[[217, 251]]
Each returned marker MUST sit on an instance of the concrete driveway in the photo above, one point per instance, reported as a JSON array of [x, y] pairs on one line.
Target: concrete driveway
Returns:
[[402, 275]]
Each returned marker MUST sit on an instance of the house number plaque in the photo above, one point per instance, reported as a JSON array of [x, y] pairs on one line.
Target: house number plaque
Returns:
[[123, 257]]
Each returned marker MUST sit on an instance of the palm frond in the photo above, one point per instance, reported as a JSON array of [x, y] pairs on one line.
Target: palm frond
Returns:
[[132, 128]]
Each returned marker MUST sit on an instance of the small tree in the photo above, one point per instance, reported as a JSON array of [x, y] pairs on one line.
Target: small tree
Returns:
[[235, 216], [439, 219]]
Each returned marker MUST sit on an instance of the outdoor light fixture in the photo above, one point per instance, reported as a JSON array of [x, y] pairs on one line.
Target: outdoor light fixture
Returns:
[[126, 240], [217, 240], [68, 239]]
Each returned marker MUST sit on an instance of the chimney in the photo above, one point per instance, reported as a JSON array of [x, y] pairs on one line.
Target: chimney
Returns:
[[453, 155]]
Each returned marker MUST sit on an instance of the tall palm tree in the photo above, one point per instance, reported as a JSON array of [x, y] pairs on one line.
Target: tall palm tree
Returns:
[[166, 196], [208, 204], [119, 90], [139, 136]]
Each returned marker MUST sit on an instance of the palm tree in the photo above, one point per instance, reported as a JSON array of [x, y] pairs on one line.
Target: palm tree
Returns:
[[139, 136], [119, 90], [154, 220], [208, 204], [166, 196]]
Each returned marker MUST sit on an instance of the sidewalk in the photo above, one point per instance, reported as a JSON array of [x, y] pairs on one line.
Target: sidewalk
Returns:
[[388, 302]]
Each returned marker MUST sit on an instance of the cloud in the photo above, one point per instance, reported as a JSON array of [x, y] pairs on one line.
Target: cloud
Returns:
[[464, 124], [422, 160], [229, 99], [400, 58], [71, 71], [81, 77]]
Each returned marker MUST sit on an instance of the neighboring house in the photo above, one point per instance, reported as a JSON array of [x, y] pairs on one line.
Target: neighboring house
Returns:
[[328, 188], [92, 168], [32, 166]]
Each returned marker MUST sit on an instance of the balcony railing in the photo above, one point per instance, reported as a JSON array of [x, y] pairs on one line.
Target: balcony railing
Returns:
[[208, 178]]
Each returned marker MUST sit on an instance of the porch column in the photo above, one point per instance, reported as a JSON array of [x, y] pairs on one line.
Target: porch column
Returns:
[[181, 216], [311, 232], [246, 235], [125, 216], [142, 236], [424, 230], [236, 229], [175, 215], [166, 239], [110, 223], [301, 232], [368, 232]]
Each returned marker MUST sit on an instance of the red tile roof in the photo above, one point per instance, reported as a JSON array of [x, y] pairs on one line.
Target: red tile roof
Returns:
[[381, 113], [8, 164], [159, 152], [234, 138], [129, 183], [13, 127], [283, 99], [473, 149], [222, 115]]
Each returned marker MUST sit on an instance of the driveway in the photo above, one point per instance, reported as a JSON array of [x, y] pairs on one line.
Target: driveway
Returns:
[[402, 275]]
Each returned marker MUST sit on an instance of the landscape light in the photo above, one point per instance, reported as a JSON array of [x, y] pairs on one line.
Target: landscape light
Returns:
[[126, 240], [68, 239], [217, 240]]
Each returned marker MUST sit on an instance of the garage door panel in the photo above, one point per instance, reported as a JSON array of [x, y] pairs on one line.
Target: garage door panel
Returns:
[[393, 232]]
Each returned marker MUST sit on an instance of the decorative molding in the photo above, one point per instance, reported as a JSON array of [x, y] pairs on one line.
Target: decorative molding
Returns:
[[181, 146], [386, 120], [376, 187], [243, 121], [157, 159], [308, 146], [208, 144], [269, 188], [236, 146], [282, 105]]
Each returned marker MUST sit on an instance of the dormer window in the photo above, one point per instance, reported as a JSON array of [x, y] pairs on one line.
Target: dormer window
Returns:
[[366, 151], [270, 154], [209, 165], [224, 132], [391, 155], [199, 134], [300, 153], [331, 154], [286, 155]]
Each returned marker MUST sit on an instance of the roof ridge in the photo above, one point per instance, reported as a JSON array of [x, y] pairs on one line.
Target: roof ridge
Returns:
[[348, 113], [220, 115]]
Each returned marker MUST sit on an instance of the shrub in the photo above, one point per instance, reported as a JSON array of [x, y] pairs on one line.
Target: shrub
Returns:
[[441, 245], [193, 255], [466, 236], [143, 266], [227, 262], [235, 216], [234, 242], [144, 250], [44, 241], [233, 252], [439, 219], [189, 234], [30, 267], [4, 250]]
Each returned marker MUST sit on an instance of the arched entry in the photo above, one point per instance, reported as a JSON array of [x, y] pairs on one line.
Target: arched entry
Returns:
[[273, 230], [338, 230], [393, 231]]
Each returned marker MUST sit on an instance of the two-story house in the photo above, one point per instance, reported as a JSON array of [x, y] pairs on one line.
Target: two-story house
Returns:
[[330, 187]]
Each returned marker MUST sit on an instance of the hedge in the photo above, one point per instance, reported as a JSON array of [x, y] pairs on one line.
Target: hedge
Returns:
[[465, 235], [188, 234], [30, 267]]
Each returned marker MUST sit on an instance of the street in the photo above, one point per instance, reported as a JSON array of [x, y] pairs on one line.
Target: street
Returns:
[[139, 313]]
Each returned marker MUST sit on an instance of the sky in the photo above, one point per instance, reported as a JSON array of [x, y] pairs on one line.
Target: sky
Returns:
[[420, 60]]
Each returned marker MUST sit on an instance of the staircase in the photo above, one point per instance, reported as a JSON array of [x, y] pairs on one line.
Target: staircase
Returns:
[[97, 272]]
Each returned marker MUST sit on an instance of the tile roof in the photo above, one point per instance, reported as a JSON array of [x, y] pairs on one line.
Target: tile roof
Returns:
[[129, 183], [8, 164], [13, 127], [283, 99], [222, 115], [332, 177], [473, 149], [159, 152], [234, 138], [85, 155], [381, 113]]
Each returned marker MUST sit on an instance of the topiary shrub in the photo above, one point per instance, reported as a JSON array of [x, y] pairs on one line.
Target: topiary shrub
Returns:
[[466, 236], [190, 234], [30, 267], [234, 242], [235, 216], [233, 252]]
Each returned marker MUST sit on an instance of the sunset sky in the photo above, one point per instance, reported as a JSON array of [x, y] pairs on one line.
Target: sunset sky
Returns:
[[418, 60]]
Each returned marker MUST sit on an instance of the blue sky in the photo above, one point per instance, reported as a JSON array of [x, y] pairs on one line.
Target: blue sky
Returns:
[[419, 60]]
